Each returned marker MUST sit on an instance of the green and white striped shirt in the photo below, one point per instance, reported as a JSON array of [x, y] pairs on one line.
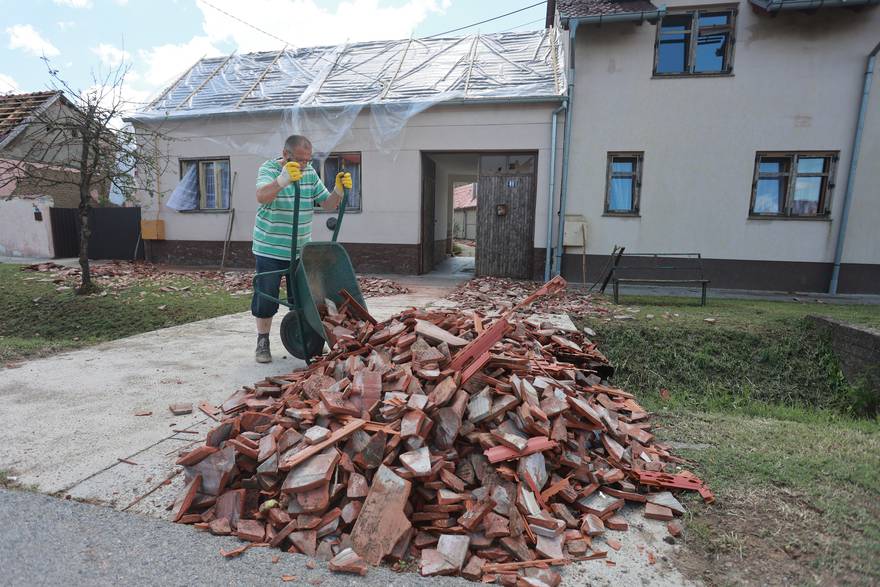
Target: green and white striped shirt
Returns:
[[274, 223]]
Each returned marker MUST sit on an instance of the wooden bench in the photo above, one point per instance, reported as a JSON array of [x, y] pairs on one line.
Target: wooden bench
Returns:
[[659, 269]]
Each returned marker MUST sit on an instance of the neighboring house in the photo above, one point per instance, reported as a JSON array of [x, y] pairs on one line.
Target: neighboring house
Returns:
[[408, 118], [464, 206], [726, 128], [25, 218]]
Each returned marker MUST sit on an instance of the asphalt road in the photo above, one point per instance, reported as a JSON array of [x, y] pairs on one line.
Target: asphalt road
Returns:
[[49, 541]]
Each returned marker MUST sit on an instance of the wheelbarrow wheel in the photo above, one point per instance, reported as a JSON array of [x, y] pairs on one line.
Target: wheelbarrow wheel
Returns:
[[302, 344]]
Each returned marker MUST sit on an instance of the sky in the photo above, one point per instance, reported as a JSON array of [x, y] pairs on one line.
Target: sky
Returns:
[[161, 39]]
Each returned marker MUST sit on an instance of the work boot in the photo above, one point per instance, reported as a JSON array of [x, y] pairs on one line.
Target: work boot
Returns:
[[262, 355]]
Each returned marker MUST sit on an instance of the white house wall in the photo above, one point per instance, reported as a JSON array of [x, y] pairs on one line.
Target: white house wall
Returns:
[[391, 181], [796, 84]]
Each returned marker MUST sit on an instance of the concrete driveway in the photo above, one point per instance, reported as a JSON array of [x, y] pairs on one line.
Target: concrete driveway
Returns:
[[68, 423]]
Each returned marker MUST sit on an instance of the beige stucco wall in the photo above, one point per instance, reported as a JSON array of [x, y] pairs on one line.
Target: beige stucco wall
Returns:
[[795, 86], [20, 234], [391, 190]]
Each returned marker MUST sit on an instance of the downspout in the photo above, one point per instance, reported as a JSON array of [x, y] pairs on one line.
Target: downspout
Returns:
[[566, 147], [548, 258], [853, 163]]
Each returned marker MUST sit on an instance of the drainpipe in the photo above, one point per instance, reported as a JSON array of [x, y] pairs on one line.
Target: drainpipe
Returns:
[[548, 259], [652, 17], [853, 163], [566, 147]]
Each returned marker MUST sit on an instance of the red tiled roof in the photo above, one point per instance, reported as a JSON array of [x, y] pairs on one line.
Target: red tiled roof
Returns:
[[464, 197], [16, 108], [583, 8]]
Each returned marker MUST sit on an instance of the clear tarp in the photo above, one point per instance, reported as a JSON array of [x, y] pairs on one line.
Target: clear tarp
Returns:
[[319, 92]]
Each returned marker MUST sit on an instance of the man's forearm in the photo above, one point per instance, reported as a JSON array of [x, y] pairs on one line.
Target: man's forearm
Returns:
[[332, 202], [268, 192]]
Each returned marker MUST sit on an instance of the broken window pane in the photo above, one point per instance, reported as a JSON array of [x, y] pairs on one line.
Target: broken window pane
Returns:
[[697, 42], [708, 19], [672, 48]]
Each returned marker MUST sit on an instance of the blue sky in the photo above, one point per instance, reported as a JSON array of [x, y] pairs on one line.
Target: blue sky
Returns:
[[161, 38]]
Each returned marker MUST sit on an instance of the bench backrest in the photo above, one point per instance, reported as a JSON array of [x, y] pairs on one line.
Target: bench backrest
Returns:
[[660, 266]]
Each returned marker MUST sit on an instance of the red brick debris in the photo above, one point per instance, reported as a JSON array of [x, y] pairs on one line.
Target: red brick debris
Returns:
[[490, 448], [488, 294], [117, 275]]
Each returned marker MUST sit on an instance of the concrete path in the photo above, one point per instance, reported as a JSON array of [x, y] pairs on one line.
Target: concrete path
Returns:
[[69, 419]]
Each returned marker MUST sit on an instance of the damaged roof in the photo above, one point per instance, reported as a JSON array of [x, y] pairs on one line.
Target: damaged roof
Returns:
[[478, 67], [591, 8], [16, 110]]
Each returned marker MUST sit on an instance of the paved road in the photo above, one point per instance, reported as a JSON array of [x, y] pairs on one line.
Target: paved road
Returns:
[[48, 541]]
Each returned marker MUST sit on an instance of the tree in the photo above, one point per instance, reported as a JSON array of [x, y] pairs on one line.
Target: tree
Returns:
[[80, 142]]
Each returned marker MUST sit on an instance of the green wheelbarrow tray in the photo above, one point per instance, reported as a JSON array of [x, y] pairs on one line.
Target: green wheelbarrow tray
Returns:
[[323, 271]]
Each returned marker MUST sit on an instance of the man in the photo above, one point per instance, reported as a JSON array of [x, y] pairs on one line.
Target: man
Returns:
[[273, 227]]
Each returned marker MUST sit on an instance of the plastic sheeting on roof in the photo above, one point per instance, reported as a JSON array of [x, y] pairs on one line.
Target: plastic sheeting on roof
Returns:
[[320, 91]]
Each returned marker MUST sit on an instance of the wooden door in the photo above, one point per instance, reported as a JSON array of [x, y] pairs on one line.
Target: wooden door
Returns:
[[506, 216], [426, 242]]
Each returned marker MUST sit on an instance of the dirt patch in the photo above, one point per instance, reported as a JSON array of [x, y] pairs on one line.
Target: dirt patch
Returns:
[[764, 537]]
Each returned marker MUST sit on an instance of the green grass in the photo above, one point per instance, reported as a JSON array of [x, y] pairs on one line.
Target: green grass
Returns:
[[36, 319], [770, 423]]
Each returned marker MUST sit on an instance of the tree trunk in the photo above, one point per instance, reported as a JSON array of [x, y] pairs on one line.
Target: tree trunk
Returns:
[[86, 286]]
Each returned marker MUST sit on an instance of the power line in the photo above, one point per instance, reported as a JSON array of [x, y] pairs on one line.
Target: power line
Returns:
[[485, 21], [524, 24]]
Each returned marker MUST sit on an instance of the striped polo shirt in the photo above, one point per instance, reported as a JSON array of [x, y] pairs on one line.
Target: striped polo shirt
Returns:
[[274, 223]]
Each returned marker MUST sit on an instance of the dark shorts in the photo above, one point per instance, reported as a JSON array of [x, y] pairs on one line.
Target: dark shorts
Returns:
[[262, 307]]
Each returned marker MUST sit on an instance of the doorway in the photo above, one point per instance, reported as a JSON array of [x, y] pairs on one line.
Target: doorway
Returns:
[[478, 213]]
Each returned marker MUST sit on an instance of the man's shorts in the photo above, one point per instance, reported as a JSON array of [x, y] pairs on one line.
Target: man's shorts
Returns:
[[262, 307]]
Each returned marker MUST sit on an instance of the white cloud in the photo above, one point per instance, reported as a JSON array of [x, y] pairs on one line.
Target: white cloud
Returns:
[[165, 62], [111, 56], [121, 2], [8, 85], [74, 3], [305, 23], [65, 24], [23, 36]]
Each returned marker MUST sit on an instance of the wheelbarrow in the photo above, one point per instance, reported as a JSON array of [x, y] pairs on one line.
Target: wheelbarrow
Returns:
[[323, 271]]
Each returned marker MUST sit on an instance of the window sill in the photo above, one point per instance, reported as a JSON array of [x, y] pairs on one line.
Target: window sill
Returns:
[[622, 215], [794, 218], [318, 210], [689, 75], [204, 211]]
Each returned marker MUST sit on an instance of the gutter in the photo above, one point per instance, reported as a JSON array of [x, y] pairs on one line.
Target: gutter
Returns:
[[853, 163], [773, 6], [573, 23]]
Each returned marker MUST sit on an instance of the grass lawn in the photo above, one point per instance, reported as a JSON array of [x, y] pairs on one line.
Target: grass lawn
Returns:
[[36, 319], [757, 402]]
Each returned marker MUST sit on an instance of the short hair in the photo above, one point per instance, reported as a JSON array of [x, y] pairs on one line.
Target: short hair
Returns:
[[294, 141]]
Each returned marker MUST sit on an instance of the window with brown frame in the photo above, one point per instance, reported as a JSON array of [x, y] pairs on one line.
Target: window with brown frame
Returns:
[[696, 42], [795, 184], [623, 183], [208, 181], [333, 164]]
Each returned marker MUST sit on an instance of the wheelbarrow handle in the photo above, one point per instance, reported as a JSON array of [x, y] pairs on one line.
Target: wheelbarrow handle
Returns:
[[341, 213], [294, 236]]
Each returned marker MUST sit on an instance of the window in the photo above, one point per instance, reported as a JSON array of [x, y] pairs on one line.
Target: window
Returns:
[[698, 42], [210, 180], [793, 184], [624, 182], [333, 164]]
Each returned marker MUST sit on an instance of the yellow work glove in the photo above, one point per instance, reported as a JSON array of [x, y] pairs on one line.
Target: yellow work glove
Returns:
[[343, 180], [290, 172]]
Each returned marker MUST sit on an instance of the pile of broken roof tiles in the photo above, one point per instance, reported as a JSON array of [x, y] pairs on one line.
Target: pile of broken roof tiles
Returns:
[[491, 449]]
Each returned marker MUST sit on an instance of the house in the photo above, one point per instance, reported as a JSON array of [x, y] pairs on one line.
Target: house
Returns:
[[726, 128], [464, 206], [408, 118], [39, 185], [25, 208]]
